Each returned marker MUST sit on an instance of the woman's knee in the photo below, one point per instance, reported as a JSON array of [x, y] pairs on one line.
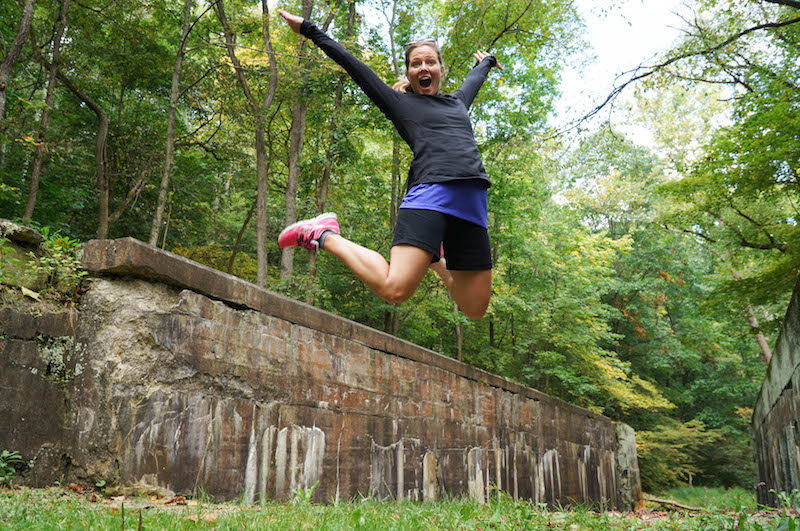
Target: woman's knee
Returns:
[[397, 294], [472, 291], [474, 309]]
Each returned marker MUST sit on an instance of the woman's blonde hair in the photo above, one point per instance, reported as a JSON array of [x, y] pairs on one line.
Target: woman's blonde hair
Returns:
[[402, 84]]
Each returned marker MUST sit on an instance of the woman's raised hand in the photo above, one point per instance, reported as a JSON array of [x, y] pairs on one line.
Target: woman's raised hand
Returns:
[[292, 20], [481, 55]]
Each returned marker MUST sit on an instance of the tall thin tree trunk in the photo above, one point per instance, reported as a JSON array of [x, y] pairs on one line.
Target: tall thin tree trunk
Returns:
[[393, 318], [48, 102], [324, 183], [296, 140], [13, 53], [169, 152], [764, 348], [239, 235], [258, 117]]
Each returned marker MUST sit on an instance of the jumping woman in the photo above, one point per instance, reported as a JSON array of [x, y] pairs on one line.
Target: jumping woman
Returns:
[[445, 206]]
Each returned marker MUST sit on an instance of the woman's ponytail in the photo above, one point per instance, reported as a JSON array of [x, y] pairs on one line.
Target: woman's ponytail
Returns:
[[402, 86]]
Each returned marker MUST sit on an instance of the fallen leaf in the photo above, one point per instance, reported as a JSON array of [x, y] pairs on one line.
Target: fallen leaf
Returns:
[[192, 503], [32, 295], [75, 487], [177, 500], [210, 517]]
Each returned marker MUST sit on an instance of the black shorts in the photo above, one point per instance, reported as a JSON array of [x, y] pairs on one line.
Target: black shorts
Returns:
[[466, 245]]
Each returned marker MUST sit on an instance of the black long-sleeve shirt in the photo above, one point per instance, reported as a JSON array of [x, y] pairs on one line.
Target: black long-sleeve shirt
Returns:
[[436, 128]]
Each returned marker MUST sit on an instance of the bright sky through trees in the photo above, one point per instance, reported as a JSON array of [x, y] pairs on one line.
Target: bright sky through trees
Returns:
[[622, 37]]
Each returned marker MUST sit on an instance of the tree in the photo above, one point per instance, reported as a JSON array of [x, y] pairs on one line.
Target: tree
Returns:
[[258, 112], [169, 153], [13, 53], [61, 25]]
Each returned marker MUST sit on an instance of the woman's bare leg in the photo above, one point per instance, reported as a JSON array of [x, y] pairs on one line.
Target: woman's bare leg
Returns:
[[394, 281], [471, 290]]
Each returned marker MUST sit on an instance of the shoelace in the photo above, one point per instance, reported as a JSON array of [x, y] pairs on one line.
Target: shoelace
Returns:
[[304, 237]]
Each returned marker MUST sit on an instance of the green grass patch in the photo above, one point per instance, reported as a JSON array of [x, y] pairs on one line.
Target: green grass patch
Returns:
[[61, 508], [714, 498]]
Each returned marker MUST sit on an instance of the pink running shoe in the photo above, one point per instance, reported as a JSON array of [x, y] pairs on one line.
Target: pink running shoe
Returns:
[[306, 233]]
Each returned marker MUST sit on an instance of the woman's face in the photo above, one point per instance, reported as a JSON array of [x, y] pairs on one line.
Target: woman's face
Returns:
[[424, 70]]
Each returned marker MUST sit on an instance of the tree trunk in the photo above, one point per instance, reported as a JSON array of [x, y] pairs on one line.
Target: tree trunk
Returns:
[[395, 190], [258, 117], [101, 140], [296, 140], [48, 102], [766, 351], [239, 235], [169, 152], [13, 53], [324, 183]]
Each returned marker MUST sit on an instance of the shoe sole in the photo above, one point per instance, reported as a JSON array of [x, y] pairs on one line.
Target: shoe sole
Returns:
[[296, 223]]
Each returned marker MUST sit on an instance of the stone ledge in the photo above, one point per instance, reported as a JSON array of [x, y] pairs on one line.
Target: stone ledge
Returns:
[[131, 257]]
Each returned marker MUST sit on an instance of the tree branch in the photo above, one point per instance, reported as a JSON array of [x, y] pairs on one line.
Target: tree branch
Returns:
[[509, 27], [789, 3], [641, 71], [132, 193], [743, 241]]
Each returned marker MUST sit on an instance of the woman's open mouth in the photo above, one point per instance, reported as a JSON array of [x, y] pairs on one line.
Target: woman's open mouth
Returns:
[[425, 82]]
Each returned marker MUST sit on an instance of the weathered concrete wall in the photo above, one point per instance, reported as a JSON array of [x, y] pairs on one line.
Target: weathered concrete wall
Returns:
[[180, 377], [776, 438]]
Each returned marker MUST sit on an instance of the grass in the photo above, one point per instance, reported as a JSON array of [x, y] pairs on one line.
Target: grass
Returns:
[[61, 508], [715, 498]]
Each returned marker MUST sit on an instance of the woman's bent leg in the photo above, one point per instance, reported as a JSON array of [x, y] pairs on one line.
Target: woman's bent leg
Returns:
[[394, 281], [472, 291]]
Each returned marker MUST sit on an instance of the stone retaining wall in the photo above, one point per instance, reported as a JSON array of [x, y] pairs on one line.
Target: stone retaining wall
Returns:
[[174, 377], [776, 438]]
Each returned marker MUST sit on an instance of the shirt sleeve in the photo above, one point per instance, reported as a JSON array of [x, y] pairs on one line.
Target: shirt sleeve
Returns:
[[381, 94], [474, 80]]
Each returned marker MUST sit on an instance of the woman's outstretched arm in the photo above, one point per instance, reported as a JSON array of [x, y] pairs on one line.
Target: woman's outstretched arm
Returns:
[[373, 86], [475, 78]]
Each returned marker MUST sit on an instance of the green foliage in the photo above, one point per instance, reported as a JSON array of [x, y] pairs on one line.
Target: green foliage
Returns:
[[8, 263], [302, 496], [59, 267], [10, 462], [787, 500], [670, 454]]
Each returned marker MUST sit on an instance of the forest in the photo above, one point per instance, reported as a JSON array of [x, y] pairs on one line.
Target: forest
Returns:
[[645, 281]]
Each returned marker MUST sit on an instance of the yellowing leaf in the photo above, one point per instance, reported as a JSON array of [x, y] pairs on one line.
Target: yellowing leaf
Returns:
[[31, 294]]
